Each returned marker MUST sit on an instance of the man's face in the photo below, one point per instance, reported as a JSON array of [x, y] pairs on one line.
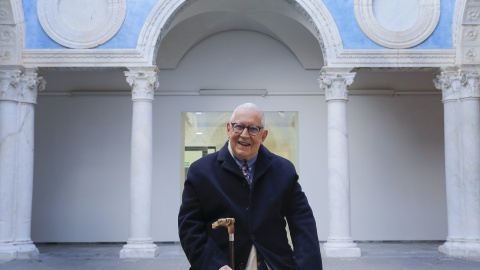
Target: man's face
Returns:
[[245, 146]]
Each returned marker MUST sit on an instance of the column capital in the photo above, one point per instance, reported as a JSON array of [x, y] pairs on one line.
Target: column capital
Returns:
[[144, 81], [20, 84], [334, 81], [471, 88], [30, 84], [9, 80], [457, 83]]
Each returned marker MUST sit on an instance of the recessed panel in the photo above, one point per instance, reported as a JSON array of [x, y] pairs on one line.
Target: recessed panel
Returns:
[[396, 15]]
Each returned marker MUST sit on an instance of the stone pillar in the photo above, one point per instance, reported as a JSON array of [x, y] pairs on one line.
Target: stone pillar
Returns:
[[339, 243], [450, 83], [470, 146], [18, 94], [461, 97], [140, 243], [30, 84], [9, 79]]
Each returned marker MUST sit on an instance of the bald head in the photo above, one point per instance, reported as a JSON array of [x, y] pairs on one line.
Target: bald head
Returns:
[[249, 106]]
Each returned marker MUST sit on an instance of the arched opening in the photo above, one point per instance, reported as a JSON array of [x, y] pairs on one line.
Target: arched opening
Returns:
[[287, 21]]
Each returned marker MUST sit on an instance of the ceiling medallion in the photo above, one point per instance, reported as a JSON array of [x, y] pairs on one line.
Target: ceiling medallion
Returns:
[[81, 24], [415, 33]]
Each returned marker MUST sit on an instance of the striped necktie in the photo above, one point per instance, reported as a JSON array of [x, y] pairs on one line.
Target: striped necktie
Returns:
[[245, 173]]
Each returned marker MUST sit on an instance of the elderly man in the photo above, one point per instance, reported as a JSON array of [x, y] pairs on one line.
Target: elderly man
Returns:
[[247, 182]]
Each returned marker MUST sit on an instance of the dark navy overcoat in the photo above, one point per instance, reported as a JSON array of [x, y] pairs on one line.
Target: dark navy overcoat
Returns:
[[215, 188]]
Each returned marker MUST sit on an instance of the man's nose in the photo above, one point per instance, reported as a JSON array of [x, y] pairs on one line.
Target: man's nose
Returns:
[[245, 132]]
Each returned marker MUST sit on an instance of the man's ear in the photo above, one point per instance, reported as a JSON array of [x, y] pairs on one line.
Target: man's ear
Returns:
[[264, 135], [228, 130]]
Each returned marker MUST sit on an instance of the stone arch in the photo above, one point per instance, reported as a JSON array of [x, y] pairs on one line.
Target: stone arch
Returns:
[[467, 32], [164, 12]]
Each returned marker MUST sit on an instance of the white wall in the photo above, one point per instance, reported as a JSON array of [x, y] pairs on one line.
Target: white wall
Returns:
[[82, 155]]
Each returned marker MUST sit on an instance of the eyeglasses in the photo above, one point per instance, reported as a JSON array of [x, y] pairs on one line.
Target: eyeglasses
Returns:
[[252, 130]]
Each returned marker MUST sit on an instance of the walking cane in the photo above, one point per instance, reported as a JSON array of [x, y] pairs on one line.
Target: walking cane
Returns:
[[230, 224]]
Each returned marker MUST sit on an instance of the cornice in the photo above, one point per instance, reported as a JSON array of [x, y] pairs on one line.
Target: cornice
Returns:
[[84, 58], [132, 57], [394, 58]]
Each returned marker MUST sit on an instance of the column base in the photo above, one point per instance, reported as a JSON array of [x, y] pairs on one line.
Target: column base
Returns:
[[7, 252], [463, 249], [15, 251], [344, 249], [139, 250], [26, 250]]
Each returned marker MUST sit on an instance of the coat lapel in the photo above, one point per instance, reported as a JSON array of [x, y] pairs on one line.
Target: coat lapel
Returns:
[[229, 163], [263, 163]]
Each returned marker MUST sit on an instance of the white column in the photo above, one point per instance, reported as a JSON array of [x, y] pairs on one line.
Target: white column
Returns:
[[9, 92], [470, 138], [30, 84], [339, 242], [450, 83], [461, 96], [18, 95], [140, 242]]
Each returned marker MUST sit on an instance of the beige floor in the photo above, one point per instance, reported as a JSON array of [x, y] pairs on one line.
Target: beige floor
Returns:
[[375, 256]]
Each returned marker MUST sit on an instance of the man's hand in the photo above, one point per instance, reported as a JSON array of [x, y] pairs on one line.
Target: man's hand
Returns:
[[225, 267]]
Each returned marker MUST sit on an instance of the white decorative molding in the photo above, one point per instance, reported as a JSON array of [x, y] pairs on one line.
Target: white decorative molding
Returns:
[[71, 24], [6, 16], [422, 28], [156, 25], [472, 13], [469, 42], [314, 11], [356, 92], [470, 34], [11, 32], [398, 58], [7, 44], [336, 56], [84, 58], [326, 30]]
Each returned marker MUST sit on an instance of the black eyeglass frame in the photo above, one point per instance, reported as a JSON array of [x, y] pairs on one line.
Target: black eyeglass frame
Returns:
[[246, 127]]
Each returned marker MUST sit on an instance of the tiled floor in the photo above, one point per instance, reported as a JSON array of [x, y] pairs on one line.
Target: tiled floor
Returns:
[[375, 256]]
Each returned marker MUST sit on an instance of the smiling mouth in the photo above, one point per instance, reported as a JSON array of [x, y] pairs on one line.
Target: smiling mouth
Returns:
[[244, 143]]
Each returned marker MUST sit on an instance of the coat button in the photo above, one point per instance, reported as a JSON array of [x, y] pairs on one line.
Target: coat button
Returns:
[[246, 209]]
